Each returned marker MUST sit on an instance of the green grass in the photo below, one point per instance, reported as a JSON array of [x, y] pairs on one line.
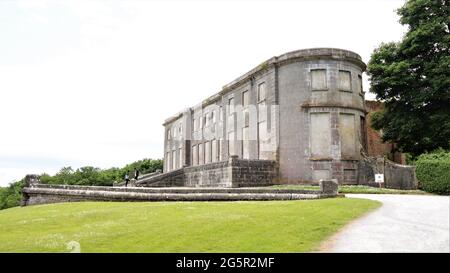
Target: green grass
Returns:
[[252, 226], [354, 189], [367, 189]]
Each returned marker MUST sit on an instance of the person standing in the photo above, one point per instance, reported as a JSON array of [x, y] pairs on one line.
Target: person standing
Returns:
[[127, 179], [136, 173]]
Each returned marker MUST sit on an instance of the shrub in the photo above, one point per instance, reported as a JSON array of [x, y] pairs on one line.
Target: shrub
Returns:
[[11, 195], [433, 172]]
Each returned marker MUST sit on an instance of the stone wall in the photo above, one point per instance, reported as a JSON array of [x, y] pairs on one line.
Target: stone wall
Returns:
[[400, 176], [396, 176], [43, 194], [231, 173], [253, 173], [216, 174]]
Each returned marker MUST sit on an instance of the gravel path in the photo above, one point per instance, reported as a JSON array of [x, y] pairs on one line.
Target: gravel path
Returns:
[[405, 223]]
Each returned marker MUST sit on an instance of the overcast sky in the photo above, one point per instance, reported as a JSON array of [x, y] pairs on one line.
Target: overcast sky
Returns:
[[91, 82]]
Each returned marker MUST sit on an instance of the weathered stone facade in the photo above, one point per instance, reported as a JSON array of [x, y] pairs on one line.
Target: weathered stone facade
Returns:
[[304, 110], [234, 173]]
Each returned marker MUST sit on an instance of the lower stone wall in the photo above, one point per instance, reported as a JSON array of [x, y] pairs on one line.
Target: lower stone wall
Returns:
[[34, 194], [217, 174], [253, 173], [234, 172], [400, 176], [396, 176]]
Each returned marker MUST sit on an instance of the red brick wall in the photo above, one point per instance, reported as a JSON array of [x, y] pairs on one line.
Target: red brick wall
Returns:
[[375, 145]]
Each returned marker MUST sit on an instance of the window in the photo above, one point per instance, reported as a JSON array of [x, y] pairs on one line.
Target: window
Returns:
[[207, 120], [168, 134], [221, 113], [348, 135], [245, 99], [180, 161], [168, 161], [245, 135], [230, 124], [246, 118], [174, 160], [231, 150], [195, 124], [180, 130], [245, 143], [320, 135], [214, 150], [213, 116], [261, 92], [231, 106], [201, 154], [207, 152], [360, 84], [319, 79], [350, 176], [345, 82], [220, 149], [194, 155], [262, 139]]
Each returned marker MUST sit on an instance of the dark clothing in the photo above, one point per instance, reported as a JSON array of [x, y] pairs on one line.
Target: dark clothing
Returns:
[[127, 179], [136, 174]]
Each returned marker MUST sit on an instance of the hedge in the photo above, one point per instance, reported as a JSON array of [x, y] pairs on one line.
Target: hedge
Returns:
[[433, 172]]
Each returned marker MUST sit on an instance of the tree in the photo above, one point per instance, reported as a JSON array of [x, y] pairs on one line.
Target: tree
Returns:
[[412, 77], [87, 176], [12, 195]]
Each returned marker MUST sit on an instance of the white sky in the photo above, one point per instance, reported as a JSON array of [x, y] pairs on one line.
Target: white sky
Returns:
[[91, 82]]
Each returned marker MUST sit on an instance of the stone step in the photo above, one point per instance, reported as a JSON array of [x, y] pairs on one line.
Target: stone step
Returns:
[[184, 190], [64, 195], [43, 194]]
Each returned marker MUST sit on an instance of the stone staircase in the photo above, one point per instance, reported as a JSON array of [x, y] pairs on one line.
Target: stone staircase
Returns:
[[169, 179]]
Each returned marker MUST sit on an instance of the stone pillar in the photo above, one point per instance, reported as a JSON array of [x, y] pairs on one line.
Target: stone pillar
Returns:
[[31, 180], [329, 186]]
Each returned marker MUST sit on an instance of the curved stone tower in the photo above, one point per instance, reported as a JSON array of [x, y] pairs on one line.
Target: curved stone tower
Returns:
[[322, 115]]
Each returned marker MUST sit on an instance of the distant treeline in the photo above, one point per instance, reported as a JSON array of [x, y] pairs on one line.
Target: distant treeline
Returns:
[[90, 176]]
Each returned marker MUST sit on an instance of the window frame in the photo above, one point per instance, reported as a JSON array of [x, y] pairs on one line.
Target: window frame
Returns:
[[259, 100], [350, 89], [326, 79]]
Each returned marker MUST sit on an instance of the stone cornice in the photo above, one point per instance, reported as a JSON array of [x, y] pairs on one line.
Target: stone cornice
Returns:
[[332, 105]]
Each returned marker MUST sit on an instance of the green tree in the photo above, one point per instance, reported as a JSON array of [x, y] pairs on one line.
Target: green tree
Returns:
[[145, 165], [88, 176], [11, 195], [412, 77]]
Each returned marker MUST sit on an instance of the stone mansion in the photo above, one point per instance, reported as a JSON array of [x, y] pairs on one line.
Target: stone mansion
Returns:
[[303, 110]]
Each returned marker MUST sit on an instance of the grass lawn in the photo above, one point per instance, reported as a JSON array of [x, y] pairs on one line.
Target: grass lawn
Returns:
[[252, 226], [354, 189]]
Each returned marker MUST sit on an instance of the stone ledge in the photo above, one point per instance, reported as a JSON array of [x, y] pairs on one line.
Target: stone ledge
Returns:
[[170, 189], [43, 196]]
